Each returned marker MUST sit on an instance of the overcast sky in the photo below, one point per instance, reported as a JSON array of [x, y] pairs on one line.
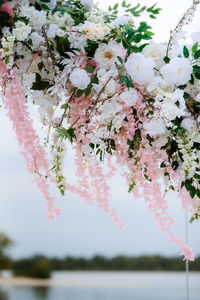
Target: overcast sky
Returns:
[[81, 229]]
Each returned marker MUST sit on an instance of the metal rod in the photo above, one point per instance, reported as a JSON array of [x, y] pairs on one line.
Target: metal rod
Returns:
[[187, 261]]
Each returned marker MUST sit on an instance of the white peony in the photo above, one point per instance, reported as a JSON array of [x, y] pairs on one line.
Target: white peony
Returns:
[[140, 69], [88, 4], [79, 78], [178, 71], [106, 54], [155, 127], [120, 21], [130, 97]]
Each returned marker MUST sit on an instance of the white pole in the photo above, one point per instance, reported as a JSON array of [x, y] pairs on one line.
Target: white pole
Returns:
[[187, 261]]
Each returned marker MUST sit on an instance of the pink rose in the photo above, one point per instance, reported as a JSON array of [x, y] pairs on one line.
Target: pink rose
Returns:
[[8, 7]]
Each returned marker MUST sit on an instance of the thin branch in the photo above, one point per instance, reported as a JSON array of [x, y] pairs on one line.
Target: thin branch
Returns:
[[63, 115], [48, 48]]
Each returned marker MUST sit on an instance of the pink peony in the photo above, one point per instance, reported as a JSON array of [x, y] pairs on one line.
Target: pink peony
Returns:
[[8, 7]]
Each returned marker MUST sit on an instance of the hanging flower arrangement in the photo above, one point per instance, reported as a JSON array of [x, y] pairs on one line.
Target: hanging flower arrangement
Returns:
[[100, 81]]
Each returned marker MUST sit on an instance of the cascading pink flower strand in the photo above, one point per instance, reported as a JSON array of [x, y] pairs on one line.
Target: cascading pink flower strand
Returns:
[[33, 153]]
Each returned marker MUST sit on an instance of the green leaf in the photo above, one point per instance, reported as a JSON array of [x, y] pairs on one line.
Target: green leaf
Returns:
[[40, 84], [40, 66], [198, 193], [80, 93], [142, 27], [195, 47], [120, 59], [88, 91], [73, 90], [89, 69], [138, 38], [69, 134], [146, 37], [186, 95], [44, 6], [197, 75], [175, 165], [197, 54], [196, 68], [192, 79], [166, 59], [186, 52]]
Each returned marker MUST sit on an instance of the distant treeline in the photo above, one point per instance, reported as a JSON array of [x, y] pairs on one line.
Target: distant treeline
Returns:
[[101, 263]]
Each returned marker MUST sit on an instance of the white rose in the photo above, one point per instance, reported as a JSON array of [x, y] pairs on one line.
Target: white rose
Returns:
[[178, 71]]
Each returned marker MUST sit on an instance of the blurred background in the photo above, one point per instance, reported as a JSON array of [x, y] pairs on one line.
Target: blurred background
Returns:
[[83, 237]]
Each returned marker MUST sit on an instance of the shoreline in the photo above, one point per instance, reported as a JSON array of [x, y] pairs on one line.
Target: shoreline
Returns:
[[83, 279]]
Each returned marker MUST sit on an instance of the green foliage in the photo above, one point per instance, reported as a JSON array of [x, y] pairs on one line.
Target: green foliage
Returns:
[[122, 263], [195, 47], [5, 243], [40, 84], [4, 20], [197, 54], [68, 134], [186, 52], [91, 48], [62, 45], [37, 267]]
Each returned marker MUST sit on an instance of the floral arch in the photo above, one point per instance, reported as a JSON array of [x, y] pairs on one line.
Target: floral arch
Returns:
[[100, 81]]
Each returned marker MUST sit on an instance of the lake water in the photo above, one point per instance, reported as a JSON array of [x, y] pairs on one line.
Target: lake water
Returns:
[[108, 286]]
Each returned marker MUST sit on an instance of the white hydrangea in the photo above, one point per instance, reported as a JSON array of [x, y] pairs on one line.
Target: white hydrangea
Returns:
[[178, 71], [155, 127], [106, 54], [21, 31], [130, 97], [88, 4], [156, 52], [140, 69], [79, 78]]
